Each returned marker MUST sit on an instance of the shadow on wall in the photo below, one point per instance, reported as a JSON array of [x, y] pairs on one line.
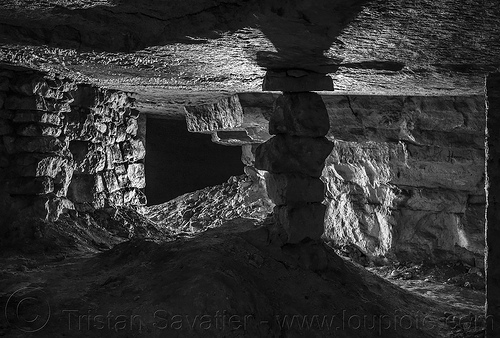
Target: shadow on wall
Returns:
[[178, 161]]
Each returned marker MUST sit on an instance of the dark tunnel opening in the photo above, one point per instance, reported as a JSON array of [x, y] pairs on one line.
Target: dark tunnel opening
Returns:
[[178, 161]]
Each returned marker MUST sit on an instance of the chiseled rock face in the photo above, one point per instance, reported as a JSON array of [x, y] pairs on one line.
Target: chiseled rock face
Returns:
[[299, 114], [293, 154], [405, 178], [409, 205], [445, 121], [223, 114]]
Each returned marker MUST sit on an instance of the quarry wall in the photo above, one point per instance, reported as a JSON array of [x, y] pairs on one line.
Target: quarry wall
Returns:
[[405, 178]]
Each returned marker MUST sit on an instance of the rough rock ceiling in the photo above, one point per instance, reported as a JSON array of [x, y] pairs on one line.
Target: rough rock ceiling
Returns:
[[191, 51]]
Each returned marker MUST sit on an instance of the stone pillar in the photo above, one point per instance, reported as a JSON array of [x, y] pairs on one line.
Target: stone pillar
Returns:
[[492, 228], [294, 158]]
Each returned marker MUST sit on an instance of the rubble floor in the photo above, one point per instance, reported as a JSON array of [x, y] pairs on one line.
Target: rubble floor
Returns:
[[117, 273]]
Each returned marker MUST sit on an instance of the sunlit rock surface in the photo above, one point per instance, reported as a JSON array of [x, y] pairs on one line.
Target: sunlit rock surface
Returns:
[[405, 178], [384, 201], [241, 196]]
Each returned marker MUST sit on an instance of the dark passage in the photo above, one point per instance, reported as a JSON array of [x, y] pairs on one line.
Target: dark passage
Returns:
[[178, 161]]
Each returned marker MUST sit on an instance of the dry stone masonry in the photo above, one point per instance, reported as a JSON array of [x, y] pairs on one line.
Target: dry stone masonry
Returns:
[[65, 146], [295, 158]]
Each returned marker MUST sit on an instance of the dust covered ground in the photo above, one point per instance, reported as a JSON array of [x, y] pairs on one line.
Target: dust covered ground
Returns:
[[132, 273]]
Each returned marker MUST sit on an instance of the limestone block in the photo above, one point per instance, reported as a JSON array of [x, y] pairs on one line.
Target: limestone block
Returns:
[[136, 175], [36, 165], [30, 185], [85, 188], [437, 200], [81, 124], [100, 185], [50, 208], [100, 126], [133, 150], [110, 165], [419, 233], [89, 158], [41, 86], [295, 80], [224, 114], [132, 126], [49, 145], [37, 116], [122, 176], [293, 154], [248, 154], [5, 127], [38, 130], [134, 196], [121, 133], [301, 221], [115, 198], [63, 179], [473, 227], [118, 100], [111, 181], [111, 132], [106, 114], [116, 153], [99, 200], [17, 102], [291, 189], [113, 156], [302, 114], [76, 123]]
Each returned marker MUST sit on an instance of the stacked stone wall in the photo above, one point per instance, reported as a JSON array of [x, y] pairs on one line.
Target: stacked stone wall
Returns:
[[66, 146]]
